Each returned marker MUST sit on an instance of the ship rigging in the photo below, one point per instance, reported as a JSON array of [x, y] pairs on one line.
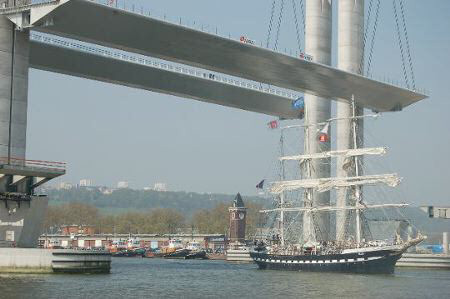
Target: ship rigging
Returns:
[[309, 251]]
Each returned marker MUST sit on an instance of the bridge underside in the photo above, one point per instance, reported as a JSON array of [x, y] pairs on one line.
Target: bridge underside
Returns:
[[55, 59], [100, 24]]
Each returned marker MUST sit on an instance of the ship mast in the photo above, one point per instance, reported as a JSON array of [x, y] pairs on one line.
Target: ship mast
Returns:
[[307, 202], [312, 185], [283, 177], [357, 187]]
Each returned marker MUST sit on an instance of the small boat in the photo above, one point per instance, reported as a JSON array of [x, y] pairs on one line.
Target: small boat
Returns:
[[195, 251], [153, 253], [177, 254], [125, 253], [199, 255]]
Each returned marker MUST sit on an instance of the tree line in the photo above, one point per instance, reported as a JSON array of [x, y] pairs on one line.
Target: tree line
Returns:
[[142, 200], [213, 220]]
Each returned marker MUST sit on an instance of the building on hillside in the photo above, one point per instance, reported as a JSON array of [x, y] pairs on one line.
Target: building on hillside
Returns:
[[122, 185], [106, 190], [161, 187], [68, 230], [64, 186], [86, 183]]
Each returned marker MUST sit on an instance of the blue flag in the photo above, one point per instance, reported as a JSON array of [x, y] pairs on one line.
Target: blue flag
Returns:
[[299, 104]]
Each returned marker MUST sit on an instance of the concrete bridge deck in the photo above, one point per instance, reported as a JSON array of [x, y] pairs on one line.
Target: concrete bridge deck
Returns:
[[50, 54], [133, 32]]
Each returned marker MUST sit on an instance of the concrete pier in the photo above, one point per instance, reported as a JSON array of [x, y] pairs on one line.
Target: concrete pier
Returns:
[[318, 33], [21, 222], [239, 255], [14, 57], [21, 212], [28, 260], [431, 260], [419, 260]]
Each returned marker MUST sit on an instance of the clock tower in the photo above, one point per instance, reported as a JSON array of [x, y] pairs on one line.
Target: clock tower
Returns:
[[238, 217]]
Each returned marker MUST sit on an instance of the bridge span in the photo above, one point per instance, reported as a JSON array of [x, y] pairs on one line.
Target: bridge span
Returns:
[[133, 32], [90, 62]]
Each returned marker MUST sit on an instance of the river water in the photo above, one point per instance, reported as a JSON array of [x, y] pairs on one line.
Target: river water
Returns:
[[157, 278]]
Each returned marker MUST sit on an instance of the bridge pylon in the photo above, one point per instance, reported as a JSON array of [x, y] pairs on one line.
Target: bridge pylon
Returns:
[[21, 211]]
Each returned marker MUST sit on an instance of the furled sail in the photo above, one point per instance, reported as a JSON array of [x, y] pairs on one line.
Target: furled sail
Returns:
[[326, 184], [344, 153], [335, 208]]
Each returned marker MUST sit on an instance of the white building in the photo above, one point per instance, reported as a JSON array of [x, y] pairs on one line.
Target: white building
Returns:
[[162, 187], [106, 190], [64, 186], [86, 183], [122, 185]]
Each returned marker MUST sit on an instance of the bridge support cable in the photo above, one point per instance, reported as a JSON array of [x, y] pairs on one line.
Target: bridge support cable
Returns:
[[408, 50], [280, 19], [269, 33], [302, 10], [294, 8], [366, 31], [400, 43], [372, 42]]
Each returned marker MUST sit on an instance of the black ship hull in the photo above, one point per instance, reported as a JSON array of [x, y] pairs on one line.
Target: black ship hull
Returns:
[[179, 254], [376, 262], [196, 255]]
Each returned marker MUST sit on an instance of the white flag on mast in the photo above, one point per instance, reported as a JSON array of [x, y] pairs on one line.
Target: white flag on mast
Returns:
[[323, 136], [325, 128]]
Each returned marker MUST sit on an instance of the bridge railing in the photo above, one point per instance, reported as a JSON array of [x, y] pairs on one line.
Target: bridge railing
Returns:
[[12, 3], [133, 58], [49, 165]]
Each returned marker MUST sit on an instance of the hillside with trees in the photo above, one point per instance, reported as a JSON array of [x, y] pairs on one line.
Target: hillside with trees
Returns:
[[139, 211], [155, 221], [129, 200]]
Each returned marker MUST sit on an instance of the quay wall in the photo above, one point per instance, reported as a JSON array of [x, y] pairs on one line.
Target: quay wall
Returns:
[[241, 255], [34, 260], [25, 260], [85, 241], [420, 260]]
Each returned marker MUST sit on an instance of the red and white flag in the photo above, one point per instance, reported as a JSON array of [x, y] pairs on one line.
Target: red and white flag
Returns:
[[324, 133], [273, 124]]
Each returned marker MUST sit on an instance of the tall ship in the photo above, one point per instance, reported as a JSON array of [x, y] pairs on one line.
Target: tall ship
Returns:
[[302, 237]]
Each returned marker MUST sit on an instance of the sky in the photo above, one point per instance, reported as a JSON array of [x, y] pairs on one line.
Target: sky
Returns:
[[111, 133]]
